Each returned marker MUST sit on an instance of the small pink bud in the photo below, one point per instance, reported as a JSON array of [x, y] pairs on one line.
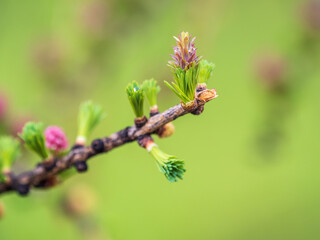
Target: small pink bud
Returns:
[[56, 140]]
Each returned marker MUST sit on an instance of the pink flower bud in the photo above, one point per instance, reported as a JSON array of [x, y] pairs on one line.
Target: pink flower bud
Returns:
[[56, 140]]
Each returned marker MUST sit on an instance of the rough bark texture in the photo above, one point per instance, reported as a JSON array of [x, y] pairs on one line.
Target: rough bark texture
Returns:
[[42, 173]]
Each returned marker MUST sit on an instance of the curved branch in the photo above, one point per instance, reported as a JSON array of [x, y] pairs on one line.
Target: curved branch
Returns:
[[81, 154]]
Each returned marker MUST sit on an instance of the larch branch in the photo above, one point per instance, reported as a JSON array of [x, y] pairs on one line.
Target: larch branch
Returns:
[[81, 154]]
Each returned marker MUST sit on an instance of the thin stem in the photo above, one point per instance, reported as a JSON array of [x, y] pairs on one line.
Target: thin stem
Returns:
[[126, 135]]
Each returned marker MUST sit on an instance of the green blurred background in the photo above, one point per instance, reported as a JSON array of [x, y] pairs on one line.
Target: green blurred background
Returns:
[[252, 157]]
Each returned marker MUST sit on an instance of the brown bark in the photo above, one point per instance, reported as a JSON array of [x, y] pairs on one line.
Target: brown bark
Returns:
[[37, 176]]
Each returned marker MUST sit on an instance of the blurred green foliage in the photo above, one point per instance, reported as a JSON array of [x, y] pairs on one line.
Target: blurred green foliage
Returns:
[[54, 55]]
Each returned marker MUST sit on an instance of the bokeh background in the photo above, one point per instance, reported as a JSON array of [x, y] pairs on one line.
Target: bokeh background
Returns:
[[252, 157]]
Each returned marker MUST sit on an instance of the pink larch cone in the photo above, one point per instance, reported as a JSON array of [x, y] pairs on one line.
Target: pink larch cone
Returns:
[[56, 140]]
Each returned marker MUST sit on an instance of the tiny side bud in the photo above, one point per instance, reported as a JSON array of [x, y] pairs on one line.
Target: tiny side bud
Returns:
[[81, 167], [198, 111], [145, 140], [49, 164], [141, 121], [48, 183], [97, 145], [166, 131], [154, 111], [23, 189]]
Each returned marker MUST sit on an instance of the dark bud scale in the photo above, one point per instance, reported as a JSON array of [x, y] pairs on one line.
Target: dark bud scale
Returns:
[[22, 189], [97, 145], [140, 122], [81, 167]]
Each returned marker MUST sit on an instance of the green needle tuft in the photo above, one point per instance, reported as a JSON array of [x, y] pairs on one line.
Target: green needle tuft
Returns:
[[9, 151], [169, 165], [205, 71], [184, 66], [151, 90], [136, 98], [90, 116], [185, 83], [33, 136]]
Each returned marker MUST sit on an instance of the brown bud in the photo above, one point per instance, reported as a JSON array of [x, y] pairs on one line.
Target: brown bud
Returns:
[[206, 95], [139, 122], [201, 87], [145, 140], [188, 106], [49, 164], [166, 131], [199, 110], [97, 145], [154, 111], [81, 166], [48, 183]]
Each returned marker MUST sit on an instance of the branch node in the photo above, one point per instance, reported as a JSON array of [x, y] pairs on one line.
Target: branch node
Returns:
[[144, 140], [199, 110], [81, 166], [97, 145], [48, 165], [140, 122], [22, 189]]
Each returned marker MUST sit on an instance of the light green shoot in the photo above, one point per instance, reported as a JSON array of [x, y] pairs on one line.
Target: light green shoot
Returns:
[[9, 152], [151, 90], [32, 135], [136, 98], [185, 83], [90, 116], [205, 71], [169, 165]]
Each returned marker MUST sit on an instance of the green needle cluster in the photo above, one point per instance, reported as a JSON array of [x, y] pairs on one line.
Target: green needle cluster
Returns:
[[9, 151], [151, 90], [188, 69], [205, 71], [32, 135], [136, 98], [169, 165], [90, 116], [185, 83]]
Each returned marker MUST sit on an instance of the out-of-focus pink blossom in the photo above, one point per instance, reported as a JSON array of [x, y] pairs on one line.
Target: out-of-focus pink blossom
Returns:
[[94, 18], [271, 69], [56, 140], [48, 56], [18, 123], [311, 14], [3, 106]]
